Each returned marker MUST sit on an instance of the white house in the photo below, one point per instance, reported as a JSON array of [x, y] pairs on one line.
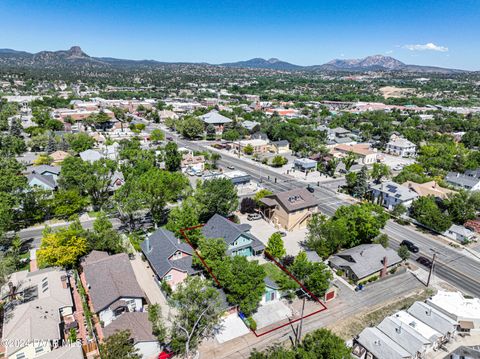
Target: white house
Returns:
[[401, 147], [390, 194], [460, 234]]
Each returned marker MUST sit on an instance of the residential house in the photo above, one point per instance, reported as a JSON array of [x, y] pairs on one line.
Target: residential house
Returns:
[[42, 181], [465, 352], [281, 146], [460, 234], [259, 136], [45, 170], [238, 178], [237, 236], [59, 156], [164, 114], [73, 351], [405, 336], [169, 257], [372, 343], [420, 327], [36, 306], [116, 181], [470, 180], [364, 154], [111, 285], [193, 163], [90, 156], [473, 225], [365, 261], [400, 146], [250, 125], [259, 146], [465, 311], [435, 319], [215, 119], [305, 165], [430, 188], [140, 332], [290, 209], [272, 291], [390, 194]]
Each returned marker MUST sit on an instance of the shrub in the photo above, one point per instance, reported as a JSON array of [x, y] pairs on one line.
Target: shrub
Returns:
[[393, 270], [252, 323], [340, 272], [165, 287]]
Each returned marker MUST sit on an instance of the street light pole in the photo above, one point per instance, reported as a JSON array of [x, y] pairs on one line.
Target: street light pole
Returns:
[[431, 267]]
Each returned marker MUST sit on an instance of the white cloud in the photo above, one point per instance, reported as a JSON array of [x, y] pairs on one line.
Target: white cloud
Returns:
[[389, 52], [426, 47]]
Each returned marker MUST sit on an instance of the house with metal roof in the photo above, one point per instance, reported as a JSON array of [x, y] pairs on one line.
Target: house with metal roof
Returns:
[[237, 236], [169, 257], [390, 194], [405, 336], [373, 343], [111, 285], [215, 119], [364, 261], [290, 209], [434, 319]]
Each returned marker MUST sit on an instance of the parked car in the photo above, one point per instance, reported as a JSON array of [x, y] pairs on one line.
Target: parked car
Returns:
[[282, 233], [411, 247], [254, 217], [230, 167], [424, 261], [166, 353]]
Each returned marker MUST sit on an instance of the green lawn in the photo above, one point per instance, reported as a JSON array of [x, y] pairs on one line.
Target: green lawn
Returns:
[[280, 277]]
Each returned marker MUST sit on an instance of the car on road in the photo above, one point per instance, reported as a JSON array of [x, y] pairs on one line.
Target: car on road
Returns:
[[310, 189], [230, 167], [254, 217], [282, 233], [411, 247], [424, 261]]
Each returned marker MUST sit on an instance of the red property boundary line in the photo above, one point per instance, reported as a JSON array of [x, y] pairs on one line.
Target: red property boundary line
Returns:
[[290, 322]]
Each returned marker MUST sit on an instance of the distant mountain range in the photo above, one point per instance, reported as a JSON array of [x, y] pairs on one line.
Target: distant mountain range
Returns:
[[75, 57]]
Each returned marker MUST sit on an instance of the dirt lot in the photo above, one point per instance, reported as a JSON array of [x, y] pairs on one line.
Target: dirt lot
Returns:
[[396, 92]]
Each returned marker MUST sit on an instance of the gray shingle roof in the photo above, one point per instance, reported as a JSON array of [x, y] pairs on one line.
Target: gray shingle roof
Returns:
[[136, 322], [293, 200], [48, 180], [213, 117], [270, 283], [42, 169], [432, 317], [365, 259], [110, 278], [403, 335], [220, 227], [160, 246], [468, 179], [380, 345]]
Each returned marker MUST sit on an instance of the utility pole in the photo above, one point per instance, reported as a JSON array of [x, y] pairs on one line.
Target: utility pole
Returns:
[[299, 330], [431, 268]]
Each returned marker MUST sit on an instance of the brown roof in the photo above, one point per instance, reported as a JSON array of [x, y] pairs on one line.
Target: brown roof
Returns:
[[110, 278], [361, 149], [293, 200], [136, 322], [428, 188]]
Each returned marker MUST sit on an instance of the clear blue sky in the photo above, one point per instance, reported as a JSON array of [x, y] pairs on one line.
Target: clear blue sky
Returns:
[[298, 31]]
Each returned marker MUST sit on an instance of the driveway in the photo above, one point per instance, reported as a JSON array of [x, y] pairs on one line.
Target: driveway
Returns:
[[271, 313], [232, 327], [263, 230], [147, 281]]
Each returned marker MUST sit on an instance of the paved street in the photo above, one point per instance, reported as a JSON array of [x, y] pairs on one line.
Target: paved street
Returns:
[[452, 265], [346, 305]]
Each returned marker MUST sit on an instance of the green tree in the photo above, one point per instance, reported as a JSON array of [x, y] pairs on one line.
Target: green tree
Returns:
[[198, 311], [158, 324], [315, 276], [213, 251], [173, 158], [326, 236], [260, 194], [379, 171], [67, 203], [382, 239], [216, 195], [279, 161], [248, 149], [275, 246], [63, 247], [119, 345], [399, 210], [323, 344], [192, 127], [426, 211], [349, 160], [157, 135], [211, 132], [104, 237], [185, 216], [361, 184], [403, 252], [461, 206], [231, 135], [79, 142]]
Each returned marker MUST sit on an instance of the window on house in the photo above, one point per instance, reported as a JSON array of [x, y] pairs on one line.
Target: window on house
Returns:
[[38, 350], [167, 278], [20, 356]]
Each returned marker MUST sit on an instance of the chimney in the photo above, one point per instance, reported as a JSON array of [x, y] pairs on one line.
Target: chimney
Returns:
[[147, 244], [383, 273], [63, 278]]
